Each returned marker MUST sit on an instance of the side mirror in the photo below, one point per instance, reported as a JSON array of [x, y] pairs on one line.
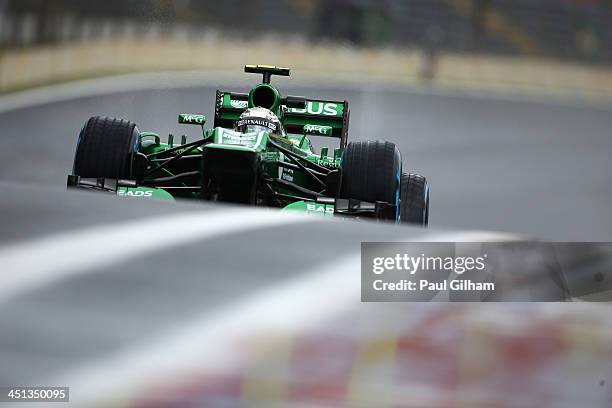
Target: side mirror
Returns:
[[294, 102]]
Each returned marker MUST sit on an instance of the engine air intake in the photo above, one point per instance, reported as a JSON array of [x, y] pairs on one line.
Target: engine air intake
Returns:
[[265, 96]]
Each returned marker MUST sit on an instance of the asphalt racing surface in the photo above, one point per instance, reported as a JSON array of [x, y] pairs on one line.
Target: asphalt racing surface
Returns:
[[99, 292], [138, 292], [535, 168], [153, 304]]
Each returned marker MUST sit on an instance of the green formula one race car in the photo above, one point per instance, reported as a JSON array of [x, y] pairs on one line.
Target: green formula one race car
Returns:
[[259, 152]]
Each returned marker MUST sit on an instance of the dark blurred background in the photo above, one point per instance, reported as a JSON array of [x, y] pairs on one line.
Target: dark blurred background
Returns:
[[563, 29]]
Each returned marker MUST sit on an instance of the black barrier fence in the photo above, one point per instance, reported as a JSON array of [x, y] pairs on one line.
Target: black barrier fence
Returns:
[[568, 29]]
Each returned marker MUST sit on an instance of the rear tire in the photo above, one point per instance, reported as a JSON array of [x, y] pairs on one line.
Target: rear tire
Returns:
[[414, 205], [105, 148], [371, 172]]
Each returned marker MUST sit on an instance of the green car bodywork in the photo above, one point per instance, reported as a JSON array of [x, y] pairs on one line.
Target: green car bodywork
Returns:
[[270, 160], [301, 119], [279, 169]]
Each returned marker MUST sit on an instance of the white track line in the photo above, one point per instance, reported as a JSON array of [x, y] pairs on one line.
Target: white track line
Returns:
[[112, 85], [32, 264], [212, 342]]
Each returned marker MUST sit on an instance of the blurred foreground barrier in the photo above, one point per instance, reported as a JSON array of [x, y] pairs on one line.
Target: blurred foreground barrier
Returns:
[[27, 68], [398, 355]]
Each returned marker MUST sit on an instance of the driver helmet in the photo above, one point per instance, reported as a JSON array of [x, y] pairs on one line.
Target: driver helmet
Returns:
[[258, 119]]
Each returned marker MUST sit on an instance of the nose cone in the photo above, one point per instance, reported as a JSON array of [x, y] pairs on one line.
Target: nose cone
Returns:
[[230, 173]]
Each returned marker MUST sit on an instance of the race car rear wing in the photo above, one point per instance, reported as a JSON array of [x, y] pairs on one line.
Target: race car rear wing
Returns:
[[229, 106]]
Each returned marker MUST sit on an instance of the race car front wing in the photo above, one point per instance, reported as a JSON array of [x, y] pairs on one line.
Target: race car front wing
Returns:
[[348, 207]]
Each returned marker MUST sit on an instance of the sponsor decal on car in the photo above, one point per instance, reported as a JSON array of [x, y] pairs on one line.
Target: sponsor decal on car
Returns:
[[192, 119], [319, 208], [256, 122], [327, 163], [318, 130], [234, 103], [287, 175], [229, 138], [135, 193], [319, 108]]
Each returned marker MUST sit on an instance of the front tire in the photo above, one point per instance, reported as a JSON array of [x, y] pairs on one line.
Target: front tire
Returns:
[[105, 148], [371, 172], [414, 205]]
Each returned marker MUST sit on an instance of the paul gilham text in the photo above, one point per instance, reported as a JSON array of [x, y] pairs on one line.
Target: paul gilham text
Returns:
[[423, 284]]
